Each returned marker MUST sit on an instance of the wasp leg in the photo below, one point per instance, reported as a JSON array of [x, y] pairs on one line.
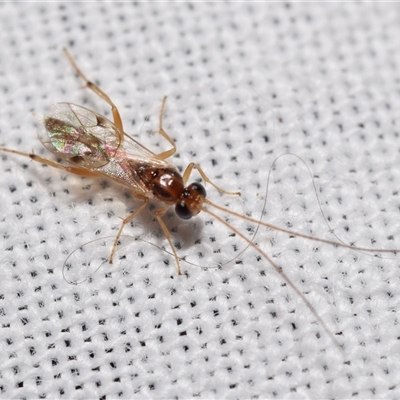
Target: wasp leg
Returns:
[[159, 213], [34, 157], [92, 86], [125, 221], [189, 170], [165, 154]]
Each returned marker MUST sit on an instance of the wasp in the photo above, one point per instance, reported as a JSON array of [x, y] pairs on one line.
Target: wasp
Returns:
[[93, 146]]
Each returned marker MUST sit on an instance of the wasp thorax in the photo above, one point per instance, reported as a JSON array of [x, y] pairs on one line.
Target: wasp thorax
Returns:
[[190, 201], [166, 184]]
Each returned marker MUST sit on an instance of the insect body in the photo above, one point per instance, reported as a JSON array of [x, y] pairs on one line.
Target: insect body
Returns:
[[94, 146]]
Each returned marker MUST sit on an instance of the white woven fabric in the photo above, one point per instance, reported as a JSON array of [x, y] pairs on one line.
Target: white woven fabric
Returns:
[[246, 83]]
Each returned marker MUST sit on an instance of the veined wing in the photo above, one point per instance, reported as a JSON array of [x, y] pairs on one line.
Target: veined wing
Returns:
[[92, 142], [79, 135]]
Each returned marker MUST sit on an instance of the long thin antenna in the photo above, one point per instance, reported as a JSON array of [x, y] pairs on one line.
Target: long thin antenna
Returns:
[[276, 268]]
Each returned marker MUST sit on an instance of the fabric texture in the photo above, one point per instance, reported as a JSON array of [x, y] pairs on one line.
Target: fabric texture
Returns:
[[302, 96]]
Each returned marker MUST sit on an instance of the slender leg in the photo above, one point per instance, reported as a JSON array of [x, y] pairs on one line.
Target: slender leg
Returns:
[[90, 85], [165, 154], [189, 170], [159, 213], [34, 157], [125, 221], [116, 115]]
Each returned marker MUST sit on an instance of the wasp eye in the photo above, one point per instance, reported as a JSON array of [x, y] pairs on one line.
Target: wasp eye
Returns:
[[199, 188], [190, 201], [182, 211]]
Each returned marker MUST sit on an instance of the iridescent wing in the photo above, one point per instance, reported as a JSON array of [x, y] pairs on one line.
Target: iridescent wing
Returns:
[[79, 135], [92, 142]]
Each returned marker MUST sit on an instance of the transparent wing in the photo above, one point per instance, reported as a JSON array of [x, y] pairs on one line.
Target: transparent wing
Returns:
[[92, 142], [79, 135]]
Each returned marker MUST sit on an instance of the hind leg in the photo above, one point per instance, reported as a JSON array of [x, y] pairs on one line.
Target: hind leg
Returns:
[[94, 88]]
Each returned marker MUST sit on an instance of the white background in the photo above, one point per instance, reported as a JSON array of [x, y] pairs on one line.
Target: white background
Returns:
[[245, 84]]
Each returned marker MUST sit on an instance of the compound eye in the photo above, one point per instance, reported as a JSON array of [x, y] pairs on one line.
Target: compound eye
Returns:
[[199, 188], [182, 211]]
